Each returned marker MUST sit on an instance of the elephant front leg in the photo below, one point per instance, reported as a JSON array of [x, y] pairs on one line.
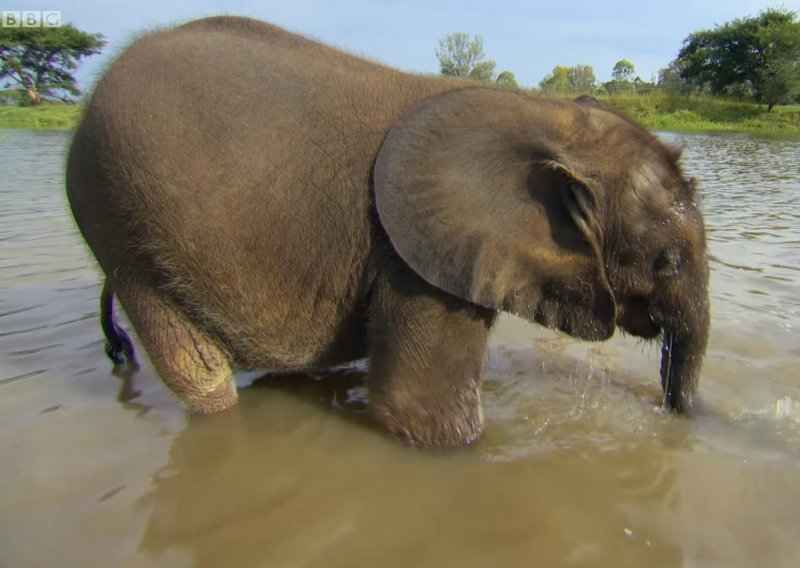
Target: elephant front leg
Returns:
[[427, 350]]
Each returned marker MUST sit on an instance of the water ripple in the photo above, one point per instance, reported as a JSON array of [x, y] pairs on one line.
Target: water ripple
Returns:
[[22, 376]]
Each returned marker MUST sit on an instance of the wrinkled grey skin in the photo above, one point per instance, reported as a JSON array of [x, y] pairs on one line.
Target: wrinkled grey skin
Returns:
[[260, 200]]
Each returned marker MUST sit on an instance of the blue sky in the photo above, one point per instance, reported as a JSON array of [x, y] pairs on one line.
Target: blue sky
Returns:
[[528, 37]]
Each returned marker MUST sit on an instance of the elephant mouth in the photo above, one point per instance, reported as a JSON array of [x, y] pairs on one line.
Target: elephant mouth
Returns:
[[635, 316]]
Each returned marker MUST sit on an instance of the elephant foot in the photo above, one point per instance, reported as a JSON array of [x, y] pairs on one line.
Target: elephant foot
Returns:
[[191, 364], [431, 422], [222, 396]]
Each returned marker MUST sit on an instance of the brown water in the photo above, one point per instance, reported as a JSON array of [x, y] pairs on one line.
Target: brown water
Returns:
[[577, 467]]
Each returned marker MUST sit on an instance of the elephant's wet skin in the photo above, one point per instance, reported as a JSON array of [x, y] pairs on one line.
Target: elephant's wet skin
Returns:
[[288, 207]]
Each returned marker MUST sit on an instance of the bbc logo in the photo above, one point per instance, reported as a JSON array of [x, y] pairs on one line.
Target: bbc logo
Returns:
[[31, 19]]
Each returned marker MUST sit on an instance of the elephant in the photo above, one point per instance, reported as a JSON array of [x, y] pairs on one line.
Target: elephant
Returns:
[[259, 200]]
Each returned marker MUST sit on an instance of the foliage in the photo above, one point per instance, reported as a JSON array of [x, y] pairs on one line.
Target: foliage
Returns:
[[664, 111], [623, 71], [507, 78], [624, 82], [779, 79], [780, 83], [579, 78], [557, 80], [462, 56], [670, 78], [627, 87], [759, 56], [41, 60]]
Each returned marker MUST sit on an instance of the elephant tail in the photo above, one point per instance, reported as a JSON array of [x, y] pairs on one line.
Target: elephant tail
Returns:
[[119, 346]]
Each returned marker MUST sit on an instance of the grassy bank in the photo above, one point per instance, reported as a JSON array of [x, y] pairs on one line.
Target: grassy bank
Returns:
[[661, 111], [658, 111], [51, 116]]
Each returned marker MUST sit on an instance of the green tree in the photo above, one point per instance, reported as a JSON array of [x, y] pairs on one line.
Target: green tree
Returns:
[[758, 55], [557, 81], [581, 78], [462, 56], [507, 78], [780, 83], [779, 78], [670, 79], [41, 61], [623, 71]]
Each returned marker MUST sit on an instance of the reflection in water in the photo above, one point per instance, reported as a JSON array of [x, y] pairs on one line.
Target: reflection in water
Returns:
[[324, 491], [578, 464]]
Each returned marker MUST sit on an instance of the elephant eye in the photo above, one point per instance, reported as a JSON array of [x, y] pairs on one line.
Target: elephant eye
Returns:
[[668, 263]]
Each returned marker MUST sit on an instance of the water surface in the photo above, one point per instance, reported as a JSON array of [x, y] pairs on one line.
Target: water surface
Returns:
[[577, 467]]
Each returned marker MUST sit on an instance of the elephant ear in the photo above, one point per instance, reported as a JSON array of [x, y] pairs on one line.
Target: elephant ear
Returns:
[[478, 195]]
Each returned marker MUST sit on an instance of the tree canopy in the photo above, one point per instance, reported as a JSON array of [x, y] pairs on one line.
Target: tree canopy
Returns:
[[579, 78], [461, 55], [40, 61], [623, 70], [755, 55], [670, 78], [507, 78], [557, 80], [625, 80]]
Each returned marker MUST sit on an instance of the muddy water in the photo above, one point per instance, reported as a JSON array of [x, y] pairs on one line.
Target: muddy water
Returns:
[[577, 467]]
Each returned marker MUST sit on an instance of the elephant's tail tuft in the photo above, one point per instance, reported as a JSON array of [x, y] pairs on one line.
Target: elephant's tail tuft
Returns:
[[119, 346]]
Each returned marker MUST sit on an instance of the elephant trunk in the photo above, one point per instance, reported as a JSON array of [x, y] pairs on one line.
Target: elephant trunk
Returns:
[[682, 349]]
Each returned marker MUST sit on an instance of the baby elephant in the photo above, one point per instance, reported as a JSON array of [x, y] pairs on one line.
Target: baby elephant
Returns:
[[259, 200]]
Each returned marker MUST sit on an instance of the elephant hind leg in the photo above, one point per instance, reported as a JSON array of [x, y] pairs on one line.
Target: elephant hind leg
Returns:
[[192, 365], [119, 346]]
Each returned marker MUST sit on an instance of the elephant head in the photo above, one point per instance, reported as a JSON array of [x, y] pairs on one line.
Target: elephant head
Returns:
[[564, 213]]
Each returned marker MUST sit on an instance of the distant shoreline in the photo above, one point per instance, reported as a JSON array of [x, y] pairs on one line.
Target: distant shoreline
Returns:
[[657, 111], [679, 113], [52, 116]]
